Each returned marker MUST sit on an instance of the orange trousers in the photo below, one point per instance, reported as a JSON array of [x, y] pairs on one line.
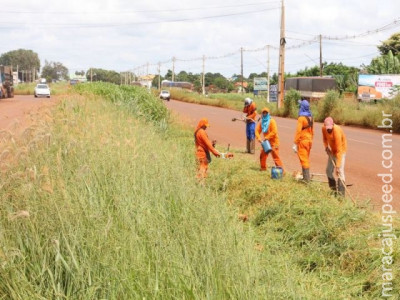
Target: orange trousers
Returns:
[[202, 167], [275, 157], [303, 152]]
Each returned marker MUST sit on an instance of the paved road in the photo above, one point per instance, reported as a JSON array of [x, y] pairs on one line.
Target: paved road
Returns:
[[363, 159]]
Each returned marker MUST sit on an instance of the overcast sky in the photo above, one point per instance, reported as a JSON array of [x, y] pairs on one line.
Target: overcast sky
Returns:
[[125, 35]]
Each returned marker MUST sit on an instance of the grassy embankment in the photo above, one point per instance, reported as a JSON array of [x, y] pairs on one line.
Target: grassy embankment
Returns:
[[98, 200], [367, 115]]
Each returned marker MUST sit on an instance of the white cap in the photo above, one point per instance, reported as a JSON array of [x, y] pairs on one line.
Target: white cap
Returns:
[[248, 101]]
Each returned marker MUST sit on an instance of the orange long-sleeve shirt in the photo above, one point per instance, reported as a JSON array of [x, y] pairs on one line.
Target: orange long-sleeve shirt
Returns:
[[250, 111], [271, 134], [336, 141], [303, 134], [203, 144]]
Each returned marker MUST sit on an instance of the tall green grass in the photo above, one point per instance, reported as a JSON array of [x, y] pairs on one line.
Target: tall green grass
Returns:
[[115, 213]]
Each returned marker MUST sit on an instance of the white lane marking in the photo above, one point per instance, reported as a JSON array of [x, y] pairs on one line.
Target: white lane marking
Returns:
[[361, 142]]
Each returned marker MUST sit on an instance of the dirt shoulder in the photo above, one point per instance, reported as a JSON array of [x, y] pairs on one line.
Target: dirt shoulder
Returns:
[[15, 112]]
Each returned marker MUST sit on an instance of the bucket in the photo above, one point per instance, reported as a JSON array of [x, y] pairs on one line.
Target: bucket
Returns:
[[266, 146], [276, 173]]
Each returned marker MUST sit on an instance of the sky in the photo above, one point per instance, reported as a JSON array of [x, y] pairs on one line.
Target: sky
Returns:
[[141, 36]]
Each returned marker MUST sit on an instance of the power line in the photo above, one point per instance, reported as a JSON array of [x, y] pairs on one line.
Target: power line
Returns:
[[391, 25], [136, 11], [137, 23]]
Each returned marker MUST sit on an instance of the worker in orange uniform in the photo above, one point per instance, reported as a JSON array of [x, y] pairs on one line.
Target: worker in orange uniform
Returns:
[[335, 144], [251, 114], [203, 148], [304, 137], [267, 126]]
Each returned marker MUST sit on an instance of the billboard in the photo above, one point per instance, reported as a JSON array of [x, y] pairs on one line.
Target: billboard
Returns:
[[372, 87], [260, 84]]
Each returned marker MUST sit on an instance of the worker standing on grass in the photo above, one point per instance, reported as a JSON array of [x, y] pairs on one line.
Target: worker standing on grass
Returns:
[[251, 114], [203, 149], [304, 137], [335, 146], [267, 126]]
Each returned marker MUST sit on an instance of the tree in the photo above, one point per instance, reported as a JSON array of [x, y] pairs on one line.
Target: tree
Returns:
[[80, 73], [391, 44], [27, 62], [385, 64], [24, 59], [103, 75], [182, 76], [54, 71]]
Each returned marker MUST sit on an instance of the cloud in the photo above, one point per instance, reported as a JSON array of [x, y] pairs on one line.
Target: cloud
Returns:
[[123, 35]]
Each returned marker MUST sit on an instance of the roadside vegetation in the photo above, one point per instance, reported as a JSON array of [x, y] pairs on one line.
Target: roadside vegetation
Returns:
[[368, 115], [98, 200]]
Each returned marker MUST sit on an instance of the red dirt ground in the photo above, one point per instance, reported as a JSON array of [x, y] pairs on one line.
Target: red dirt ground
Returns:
[[15, 112]]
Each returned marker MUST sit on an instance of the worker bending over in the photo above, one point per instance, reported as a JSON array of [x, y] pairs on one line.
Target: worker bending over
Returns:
[[267, 130], [304, 137], [335, 144], [251, 114], [203, 149]]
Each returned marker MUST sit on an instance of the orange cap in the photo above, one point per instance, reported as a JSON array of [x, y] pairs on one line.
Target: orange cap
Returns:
[[265, 109], [203, 122]]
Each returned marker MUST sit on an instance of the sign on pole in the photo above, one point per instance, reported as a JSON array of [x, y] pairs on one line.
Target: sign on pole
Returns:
[[260, 84]]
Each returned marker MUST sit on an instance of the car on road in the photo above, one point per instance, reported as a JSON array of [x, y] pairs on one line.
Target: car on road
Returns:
[[165, 95], [42, 90]]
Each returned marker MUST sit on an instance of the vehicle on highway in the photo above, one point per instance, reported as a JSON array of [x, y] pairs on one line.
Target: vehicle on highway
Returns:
[[165, 95], [6, 82], [42, 90]]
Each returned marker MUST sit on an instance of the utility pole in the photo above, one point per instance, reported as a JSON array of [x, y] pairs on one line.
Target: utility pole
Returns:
[[173, 69], [320, 55], [281, 72], [268, 74], [241, 66], [91, 74], [203, 77], [159, 76]]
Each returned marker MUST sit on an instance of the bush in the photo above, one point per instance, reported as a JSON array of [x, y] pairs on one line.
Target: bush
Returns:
[[330, 106], [291, 106]]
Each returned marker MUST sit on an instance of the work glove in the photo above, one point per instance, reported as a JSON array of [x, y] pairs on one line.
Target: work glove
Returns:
[[294, 148], [328, 151]]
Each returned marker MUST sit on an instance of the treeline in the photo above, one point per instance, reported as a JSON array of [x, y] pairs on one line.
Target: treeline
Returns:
[[28, 64]]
